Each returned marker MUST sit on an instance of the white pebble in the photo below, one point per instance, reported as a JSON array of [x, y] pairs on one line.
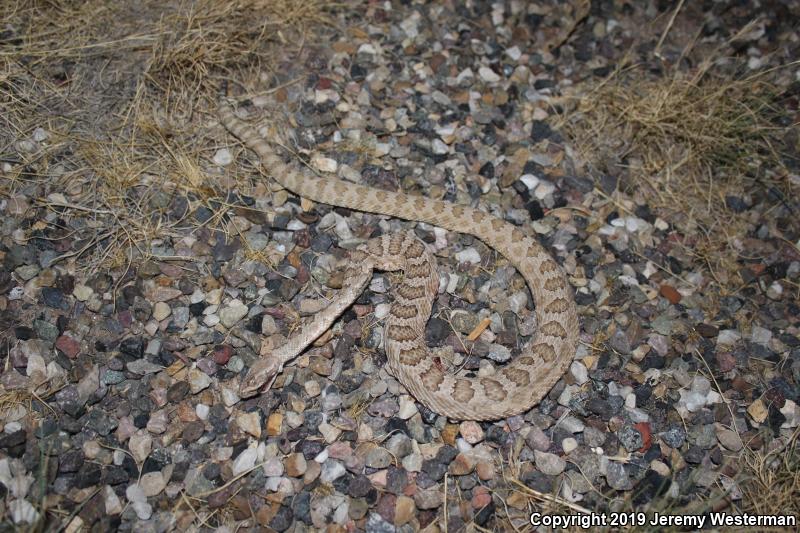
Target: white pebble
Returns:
[[439, 147], [579, 372], [112, 503], [775, 291], [465, 74], [569, 444], [223, 157], [468, 255], [382, 311], [324, 164], [760, 335], [16, 293], [544, 189], [514, 53], [40, 135], [134, 493], [408, 407], [530, 181], [630, 401], [462, 445], [488, 75], [211, 320], [379, 285], [451, 281], [22, 512], [517, 301], [143, 510], [728, 337], [245, 461], [791, 411]]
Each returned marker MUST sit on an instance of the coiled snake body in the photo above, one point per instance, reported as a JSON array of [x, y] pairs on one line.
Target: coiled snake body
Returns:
[[513, 389]]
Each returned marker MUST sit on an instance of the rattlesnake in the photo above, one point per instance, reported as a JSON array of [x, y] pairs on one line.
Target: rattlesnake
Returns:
[[512, 389]]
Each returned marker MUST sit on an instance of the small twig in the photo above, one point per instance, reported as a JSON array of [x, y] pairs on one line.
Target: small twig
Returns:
[[77, 207], [445, 502], [229, 483], [657, 51], [78, 253]]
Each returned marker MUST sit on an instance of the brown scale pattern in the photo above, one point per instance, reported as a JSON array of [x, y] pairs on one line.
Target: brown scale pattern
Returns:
[[511, 390]]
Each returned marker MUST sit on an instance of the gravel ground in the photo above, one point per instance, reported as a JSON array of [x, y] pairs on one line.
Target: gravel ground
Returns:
[[119, 407]]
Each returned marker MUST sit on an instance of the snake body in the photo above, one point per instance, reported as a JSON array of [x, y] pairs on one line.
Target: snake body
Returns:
[[512, 389]]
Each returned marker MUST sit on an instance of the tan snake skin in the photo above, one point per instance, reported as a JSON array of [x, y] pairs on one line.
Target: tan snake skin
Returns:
[[512, 389]]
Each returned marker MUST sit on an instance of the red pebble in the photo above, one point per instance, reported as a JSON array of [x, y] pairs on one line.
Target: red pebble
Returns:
[[670, 293], [222, 354], [647, 437], [68, 346]]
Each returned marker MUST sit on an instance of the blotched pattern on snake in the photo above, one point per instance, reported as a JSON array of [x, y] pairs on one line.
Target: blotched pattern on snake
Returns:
[[513, 389]]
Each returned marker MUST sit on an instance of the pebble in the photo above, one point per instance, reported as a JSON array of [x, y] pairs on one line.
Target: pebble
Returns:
[[331, 471], [617, 477], [161, 310], [579, 372], [728, 337], [569, 445], [488, 75], [484, 470], [408, 407], [729, 439], [159, 422], [463, 464], [250, 423], [82, 293], [548, 463], [235, 311], [22, 512], [198, 380], [791, 414], [152, 483], [760, 335], [245, 461], [469, 255], [674, 437], [670, 293], [223, 157], [140, 445], [471, 431], [112, 503], [499, 353], [405, 510], [274, 423], [324, 164], [143, 367], [571, 424], [68, 346], [413, 462], [537, 440], [775, 291], [428, 498], [138, 500], [296, 465], [378, 458]]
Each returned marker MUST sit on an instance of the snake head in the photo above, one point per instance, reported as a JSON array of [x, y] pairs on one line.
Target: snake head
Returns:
[[260, 376]]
